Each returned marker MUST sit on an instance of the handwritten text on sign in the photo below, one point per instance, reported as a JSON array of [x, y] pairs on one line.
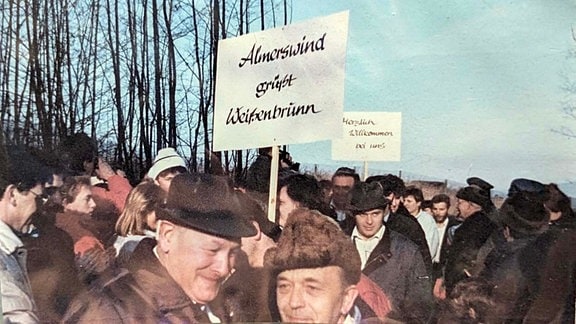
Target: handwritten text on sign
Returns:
[[277, 86], [369, 136]]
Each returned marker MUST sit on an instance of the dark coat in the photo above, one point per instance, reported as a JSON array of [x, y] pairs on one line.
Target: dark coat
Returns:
[[437, 268], [52, 271], [407, 225], [467, 241], [555, 300], [396, 265], [403, 223], [514, 271], [258, 177], [244, 297], [145, 293]]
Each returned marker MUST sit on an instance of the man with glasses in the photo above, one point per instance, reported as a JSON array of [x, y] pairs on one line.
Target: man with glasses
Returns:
[[21, 185]]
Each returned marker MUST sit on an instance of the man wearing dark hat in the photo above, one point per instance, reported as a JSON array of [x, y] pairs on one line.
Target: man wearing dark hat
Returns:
[[468, 238], [389, 258], [484, 185], [175, 278], [399, 219], [316, 270], [511, 266]]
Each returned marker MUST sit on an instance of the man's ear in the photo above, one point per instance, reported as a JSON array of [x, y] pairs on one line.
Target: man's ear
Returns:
[[258, 235], [165, 235], [9, 194], [350, 294]]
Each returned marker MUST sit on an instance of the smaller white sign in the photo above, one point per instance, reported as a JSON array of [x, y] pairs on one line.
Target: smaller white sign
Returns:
[[369, 136]]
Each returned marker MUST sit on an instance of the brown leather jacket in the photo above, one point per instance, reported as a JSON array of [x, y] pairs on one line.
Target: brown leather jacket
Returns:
[[145, 293]]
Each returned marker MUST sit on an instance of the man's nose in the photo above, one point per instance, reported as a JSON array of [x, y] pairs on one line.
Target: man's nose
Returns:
[[296, 298], [222, 265]]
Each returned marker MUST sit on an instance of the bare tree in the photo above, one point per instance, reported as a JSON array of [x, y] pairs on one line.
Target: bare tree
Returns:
[[568, 104], [107, 69]]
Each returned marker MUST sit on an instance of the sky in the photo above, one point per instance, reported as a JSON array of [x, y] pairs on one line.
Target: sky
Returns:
[[479, 85]]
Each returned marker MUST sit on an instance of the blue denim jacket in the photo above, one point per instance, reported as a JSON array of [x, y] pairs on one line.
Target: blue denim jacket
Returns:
[[17, 302]]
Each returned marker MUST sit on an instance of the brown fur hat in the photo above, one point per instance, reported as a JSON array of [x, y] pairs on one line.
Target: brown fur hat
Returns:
[[312, 240]]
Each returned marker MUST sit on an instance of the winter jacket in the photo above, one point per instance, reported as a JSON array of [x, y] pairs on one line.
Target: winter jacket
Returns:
[[116, 191], [245, 296], [555, 300], [438, 268], [468, 238], [52, 271], [396, 265], [17, 303], [142, 293], [513, 270], [405, 224]]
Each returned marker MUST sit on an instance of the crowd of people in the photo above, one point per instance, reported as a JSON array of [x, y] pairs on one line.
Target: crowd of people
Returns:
[[80, 244]]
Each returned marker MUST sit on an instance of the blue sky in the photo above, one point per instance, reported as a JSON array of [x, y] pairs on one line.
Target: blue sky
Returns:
[[478, 84]]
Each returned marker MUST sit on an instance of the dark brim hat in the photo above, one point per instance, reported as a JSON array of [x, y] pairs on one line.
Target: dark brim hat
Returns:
[[524, 211], [474, 194], [220, 223], [205, 203], [367, 196], [253, 210], [526, 186], [480, 183], [524, 214]]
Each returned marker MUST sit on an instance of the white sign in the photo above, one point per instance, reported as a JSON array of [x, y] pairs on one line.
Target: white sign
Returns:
[[281, 86], [369, 136]]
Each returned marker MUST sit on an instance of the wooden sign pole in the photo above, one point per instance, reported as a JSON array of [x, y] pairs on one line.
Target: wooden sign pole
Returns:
[[273, 183]]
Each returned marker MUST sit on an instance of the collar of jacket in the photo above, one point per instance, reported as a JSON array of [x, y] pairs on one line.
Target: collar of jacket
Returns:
[[9, 242], [155, 281], [380, 255]]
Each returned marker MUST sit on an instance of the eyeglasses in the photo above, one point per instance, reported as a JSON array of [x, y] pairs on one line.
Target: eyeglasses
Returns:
[[40, 197]]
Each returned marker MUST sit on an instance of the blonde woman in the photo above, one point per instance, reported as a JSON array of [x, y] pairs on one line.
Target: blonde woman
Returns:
[[138, 219]]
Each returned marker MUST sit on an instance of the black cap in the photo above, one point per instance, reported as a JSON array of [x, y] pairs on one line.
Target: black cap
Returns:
[[480, 183]]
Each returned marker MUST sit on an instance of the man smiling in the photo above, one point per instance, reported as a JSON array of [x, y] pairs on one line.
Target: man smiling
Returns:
[[174, 279]]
